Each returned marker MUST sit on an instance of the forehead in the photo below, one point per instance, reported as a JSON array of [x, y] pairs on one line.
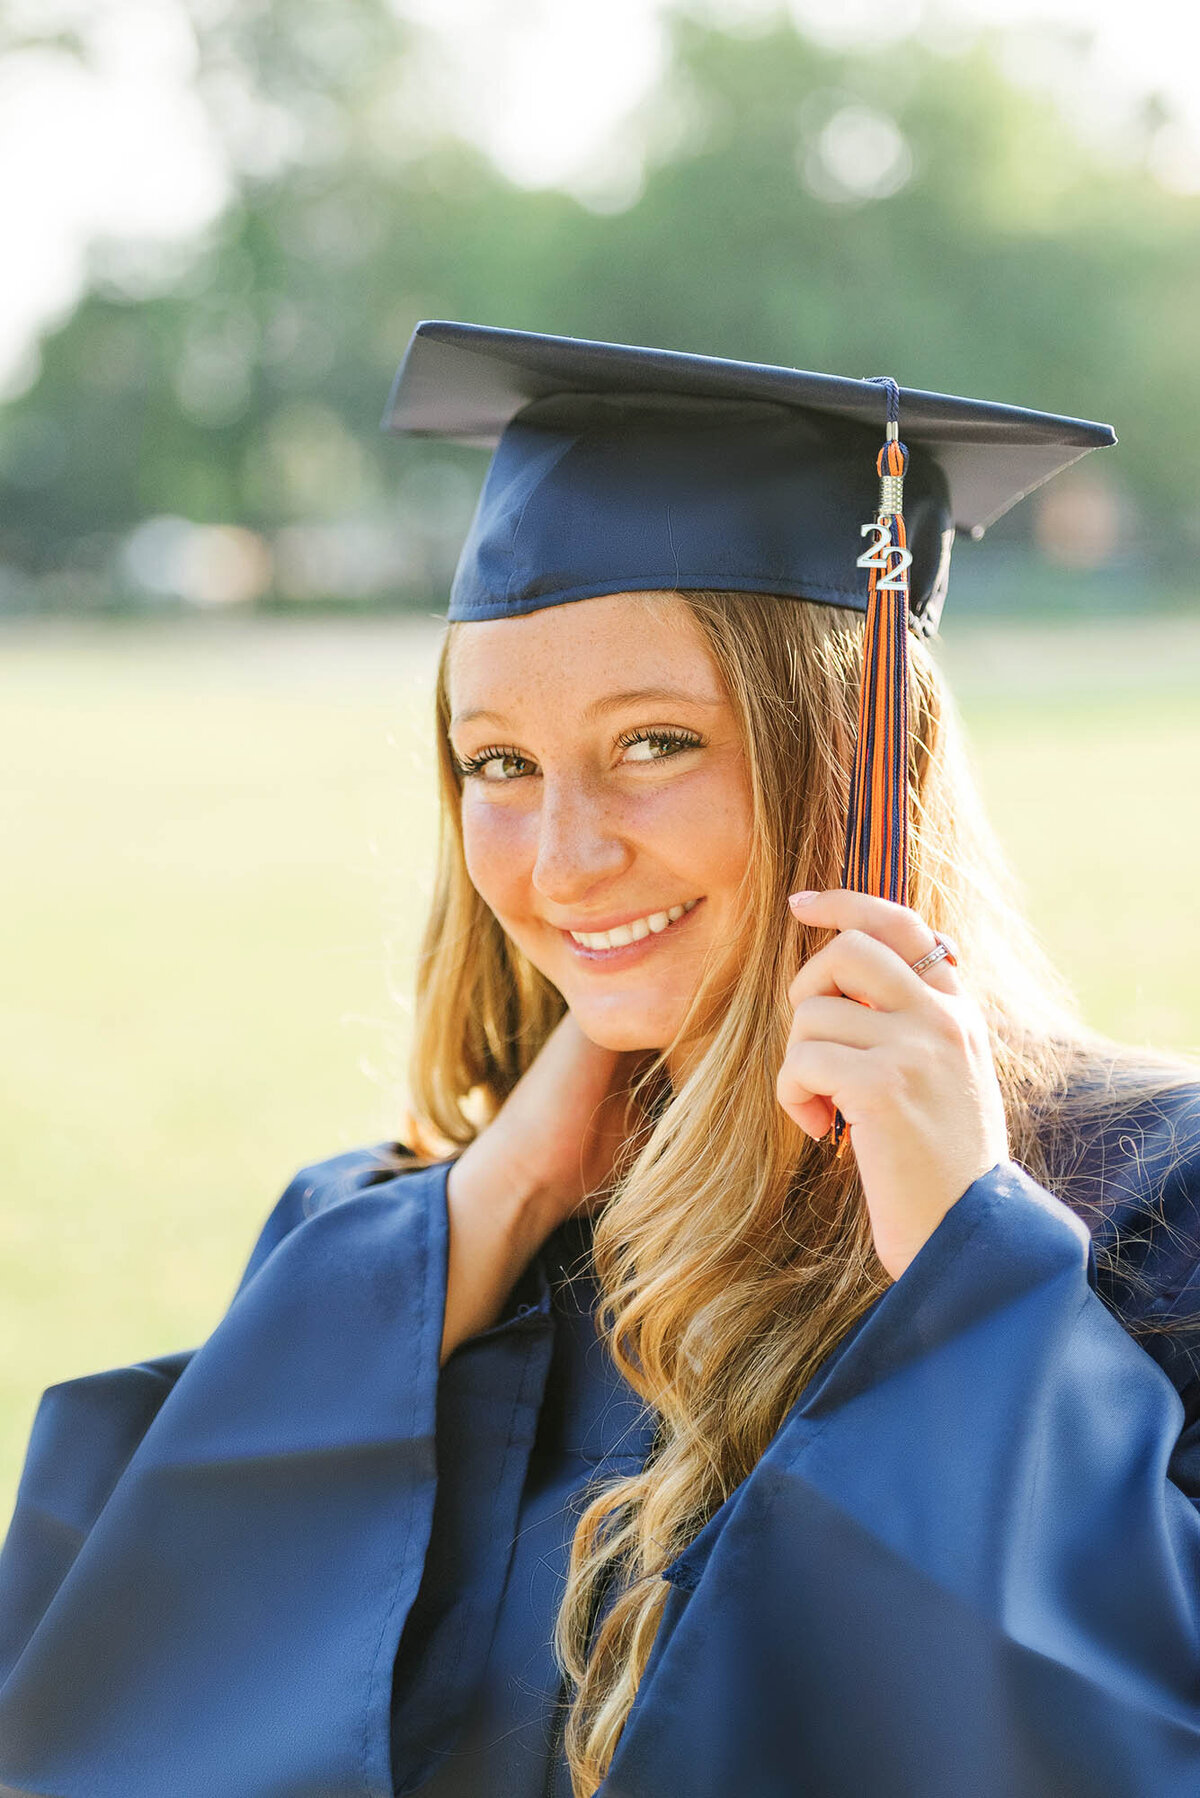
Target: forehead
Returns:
[[576, 649]]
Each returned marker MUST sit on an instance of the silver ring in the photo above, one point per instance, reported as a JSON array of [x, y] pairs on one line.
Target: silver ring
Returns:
[[944, 950]]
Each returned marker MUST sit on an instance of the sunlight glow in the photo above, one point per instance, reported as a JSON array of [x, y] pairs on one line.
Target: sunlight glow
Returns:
[[121, 148]]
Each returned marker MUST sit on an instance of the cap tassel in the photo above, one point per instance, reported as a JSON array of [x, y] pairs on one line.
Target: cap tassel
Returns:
[[876, 851]]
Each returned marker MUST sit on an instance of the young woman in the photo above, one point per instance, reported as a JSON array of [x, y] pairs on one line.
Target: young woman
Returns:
[[765, 1364]]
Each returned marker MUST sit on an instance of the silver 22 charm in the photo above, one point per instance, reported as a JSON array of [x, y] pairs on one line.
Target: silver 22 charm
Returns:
[[879, 555]]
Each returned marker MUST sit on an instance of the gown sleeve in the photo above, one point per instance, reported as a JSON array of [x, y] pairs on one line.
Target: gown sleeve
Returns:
[[213, 1554], [968, 1562]]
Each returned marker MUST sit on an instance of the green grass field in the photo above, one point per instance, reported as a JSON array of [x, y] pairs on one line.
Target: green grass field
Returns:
[[218, 841]]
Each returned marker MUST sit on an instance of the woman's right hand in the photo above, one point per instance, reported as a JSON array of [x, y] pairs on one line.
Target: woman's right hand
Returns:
[[546, 1154]]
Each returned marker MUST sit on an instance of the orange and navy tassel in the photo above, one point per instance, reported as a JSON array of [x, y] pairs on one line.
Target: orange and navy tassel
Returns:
[[876, 852]]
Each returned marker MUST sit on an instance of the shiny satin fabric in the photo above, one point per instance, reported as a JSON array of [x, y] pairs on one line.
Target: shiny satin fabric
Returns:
[[620, 467], [298, 1563], [607, 498]]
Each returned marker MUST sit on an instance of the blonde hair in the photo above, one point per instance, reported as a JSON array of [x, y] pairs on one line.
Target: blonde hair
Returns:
[[733, 1252]]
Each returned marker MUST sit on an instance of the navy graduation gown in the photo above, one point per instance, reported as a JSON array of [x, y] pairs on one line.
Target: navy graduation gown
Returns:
[[298, 1563]]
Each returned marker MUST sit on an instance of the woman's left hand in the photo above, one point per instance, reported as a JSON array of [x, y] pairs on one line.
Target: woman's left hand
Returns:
[[904, 1057]]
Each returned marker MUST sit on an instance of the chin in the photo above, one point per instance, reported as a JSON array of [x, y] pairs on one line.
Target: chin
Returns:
[[623, 1031]]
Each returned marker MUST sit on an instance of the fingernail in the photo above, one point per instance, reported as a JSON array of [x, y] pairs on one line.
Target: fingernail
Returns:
[[805, 898]]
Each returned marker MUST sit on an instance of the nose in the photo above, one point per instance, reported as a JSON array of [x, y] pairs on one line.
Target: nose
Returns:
[[580, 844]]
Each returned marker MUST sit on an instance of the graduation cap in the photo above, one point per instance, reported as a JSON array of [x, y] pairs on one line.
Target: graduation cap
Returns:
[[623, 469]]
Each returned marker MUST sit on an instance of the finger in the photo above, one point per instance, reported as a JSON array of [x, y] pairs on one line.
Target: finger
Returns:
[[831, 1018], [815, 1117], [859, 967], [847, 910], [839, 908], [816, 1071], [898, 927], [902, 929]]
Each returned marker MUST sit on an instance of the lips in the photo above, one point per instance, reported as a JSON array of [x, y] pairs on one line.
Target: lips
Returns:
[[625, 953], [634, 929]]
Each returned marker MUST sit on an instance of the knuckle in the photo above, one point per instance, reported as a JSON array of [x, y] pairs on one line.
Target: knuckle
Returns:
[[789, 1087], [954, 1024], [808, 1006]]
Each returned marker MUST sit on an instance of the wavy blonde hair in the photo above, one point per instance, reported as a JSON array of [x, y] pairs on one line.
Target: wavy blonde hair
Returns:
[[733, 1252]]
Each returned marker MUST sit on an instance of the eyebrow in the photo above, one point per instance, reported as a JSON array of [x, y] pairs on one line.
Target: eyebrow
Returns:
[[610, 702]]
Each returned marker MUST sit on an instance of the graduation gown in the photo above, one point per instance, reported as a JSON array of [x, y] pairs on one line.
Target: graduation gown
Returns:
[[298, 1562]]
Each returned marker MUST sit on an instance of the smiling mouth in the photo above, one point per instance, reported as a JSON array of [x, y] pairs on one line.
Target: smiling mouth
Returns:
[[653, 924]]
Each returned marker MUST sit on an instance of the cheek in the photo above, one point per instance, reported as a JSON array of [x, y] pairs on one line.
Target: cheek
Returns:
[[499, 845], [711, 829]]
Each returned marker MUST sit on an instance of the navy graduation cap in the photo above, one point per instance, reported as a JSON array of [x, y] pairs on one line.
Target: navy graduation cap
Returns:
[[620, 469]]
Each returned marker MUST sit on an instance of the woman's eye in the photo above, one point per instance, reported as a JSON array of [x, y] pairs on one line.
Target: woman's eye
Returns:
[[655, 745], [494, 765], [499, 764], [501, 767]]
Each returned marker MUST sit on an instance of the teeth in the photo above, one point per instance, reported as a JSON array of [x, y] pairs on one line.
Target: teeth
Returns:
[[634, 931]]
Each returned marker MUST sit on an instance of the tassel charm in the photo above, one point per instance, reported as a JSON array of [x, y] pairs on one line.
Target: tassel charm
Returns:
[[876, 848]]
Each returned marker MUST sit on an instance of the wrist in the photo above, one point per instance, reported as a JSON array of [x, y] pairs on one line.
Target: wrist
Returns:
[[504, 1196], [495, 1231]]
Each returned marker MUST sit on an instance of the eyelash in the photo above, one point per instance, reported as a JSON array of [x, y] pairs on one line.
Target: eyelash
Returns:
[[681, 739]]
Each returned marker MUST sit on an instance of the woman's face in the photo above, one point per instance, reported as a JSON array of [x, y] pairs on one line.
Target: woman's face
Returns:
[[606, 804]]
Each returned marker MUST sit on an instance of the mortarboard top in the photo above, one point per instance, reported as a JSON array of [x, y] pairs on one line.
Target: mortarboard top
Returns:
[[618, 467]]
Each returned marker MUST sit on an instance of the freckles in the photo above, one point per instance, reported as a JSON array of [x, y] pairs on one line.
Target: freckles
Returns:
[[499, 844], [701, 812], [729, 806]]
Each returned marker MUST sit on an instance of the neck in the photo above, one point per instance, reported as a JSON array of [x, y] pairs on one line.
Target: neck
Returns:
[[683, 1059]]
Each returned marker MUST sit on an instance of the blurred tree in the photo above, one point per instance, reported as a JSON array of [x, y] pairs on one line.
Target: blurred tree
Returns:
[[883, 211], [901, 211]]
